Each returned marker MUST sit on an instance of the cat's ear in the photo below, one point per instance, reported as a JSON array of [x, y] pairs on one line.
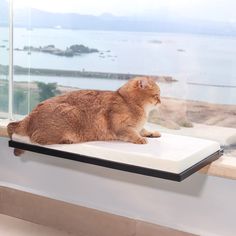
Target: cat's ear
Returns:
[[143, 83]]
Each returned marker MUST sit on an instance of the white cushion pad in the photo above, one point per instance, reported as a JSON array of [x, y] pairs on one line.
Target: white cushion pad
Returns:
[[171, 153]]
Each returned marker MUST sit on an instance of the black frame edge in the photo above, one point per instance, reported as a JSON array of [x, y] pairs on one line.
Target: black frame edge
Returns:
[[116, 165]]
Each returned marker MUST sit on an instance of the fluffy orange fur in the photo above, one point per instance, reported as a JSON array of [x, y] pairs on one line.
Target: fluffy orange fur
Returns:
[[88, 115]]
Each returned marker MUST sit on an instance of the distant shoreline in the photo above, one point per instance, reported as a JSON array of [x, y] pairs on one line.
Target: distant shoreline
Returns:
[[18, 70], [197, 111]]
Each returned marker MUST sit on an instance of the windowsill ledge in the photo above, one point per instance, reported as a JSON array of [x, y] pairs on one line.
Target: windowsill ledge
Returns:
[[224, 167]]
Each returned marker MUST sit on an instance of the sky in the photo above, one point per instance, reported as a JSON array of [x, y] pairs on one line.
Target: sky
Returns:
[[216, 10]]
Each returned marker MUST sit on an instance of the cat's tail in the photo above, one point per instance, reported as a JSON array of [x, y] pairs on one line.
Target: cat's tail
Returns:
[[12, 127], [18, 152], [18, 127]]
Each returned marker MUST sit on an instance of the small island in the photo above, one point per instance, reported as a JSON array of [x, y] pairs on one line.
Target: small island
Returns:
[[71, 51]]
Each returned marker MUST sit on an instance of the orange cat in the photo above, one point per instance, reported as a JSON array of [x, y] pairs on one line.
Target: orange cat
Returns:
[[88, 115]]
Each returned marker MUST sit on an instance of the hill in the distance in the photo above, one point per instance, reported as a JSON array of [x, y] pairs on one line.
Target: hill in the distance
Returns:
[[161, 23]]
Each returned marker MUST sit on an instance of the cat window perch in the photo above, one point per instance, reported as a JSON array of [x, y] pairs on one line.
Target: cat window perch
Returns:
[[172, 157]]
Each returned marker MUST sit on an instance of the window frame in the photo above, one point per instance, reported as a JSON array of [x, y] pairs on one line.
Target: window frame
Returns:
[[11, 68], [224, 167]]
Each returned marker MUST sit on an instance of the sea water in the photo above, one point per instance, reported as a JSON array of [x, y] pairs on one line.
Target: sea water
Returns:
[[204, 65]]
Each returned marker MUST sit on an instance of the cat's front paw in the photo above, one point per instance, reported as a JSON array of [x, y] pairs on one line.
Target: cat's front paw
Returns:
[[141, 140], [154, 134], [150, 134]]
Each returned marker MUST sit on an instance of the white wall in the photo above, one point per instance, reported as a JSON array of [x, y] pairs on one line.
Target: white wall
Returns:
[[201, 204]]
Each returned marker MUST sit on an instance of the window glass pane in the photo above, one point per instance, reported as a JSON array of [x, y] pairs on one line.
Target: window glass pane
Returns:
[[4, 59], [188, 47], [22, 81]]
